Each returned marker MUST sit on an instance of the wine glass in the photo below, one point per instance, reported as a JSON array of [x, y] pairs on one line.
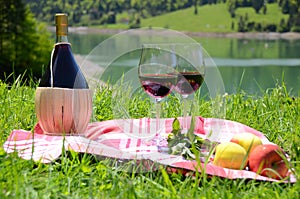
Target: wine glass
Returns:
[[157, 77], [191, 68]]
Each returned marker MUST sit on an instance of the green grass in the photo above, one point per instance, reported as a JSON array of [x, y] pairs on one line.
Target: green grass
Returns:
[[275, 113], [210, 18], [273, 16]]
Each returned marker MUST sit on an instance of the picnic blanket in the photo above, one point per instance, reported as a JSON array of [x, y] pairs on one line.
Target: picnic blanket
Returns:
[[128, 139]]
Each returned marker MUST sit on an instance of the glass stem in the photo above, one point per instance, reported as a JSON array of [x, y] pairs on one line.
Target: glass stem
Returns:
[[157, 109], [185, 114]]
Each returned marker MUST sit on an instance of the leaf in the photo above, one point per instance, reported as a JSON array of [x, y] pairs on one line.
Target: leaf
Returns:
[[190, 133], [176, 127], [187, 145]]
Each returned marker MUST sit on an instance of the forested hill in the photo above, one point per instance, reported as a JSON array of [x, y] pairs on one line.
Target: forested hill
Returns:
[[86, 12], [130, 13]]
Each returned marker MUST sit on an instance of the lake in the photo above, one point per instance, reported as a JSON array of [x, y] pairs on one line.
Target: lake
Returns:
[[250, 65]]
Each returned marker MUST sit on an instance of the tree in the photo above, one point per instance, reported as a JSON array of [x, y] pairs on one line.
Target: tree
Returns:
[[196, 7], [257, 5], [265, 9], [98, 11], [241, 24], [291, 7], [231, 6], [24, 44]]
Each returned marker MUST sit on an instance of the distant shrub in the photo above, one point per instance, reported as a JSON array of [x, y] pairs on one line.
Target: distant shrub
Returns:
[[270, 28], [232, 25], [283, 26], [167, 26], [136, 23], [246, 16], [241, 25], [251, 26], [258, 27], [295, 29], [264, 9], [85, 20], [111, 18], [231, 6]]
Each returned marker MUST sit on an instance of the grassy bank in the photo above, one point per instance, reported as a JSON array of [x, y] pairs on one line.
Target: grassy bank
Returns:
[[275, 113], [210, 18]]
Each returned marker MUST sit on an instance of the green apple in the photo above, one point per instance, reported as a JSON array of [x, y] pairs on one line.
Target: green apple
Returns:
[[230, 155], [247, 140]]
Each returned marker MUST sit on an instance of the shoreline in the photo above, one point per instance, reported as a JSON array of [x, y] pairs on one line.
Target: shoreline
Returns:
[[238, 35]]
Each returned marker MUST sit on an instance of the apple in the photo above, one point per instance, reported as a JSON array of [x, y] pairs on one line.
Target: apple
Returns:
[[268, 160], [230, 155], [247, 140]]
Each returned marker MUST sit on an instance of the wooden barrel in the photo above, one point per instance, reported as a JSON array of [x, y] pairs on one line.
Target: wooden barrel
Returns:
[[63, 111]]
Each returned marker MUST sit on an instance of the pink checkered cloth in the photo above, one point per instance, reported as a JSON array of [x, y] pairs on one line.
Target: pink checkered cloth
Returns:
[[129, 139]]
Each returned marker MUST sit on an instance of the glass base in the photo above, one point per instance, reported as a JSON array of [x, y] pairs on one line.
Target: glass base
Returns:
[[160, 142]]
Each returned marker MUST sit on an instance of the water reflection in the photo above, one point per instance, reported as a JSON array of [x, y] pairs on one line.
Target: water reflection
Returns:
[[245, 64], [257, 79]]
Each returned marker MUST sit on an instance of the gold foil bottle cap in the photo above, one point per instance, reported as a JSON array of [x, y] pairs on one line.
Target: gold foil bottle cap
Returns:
[[61, 21]]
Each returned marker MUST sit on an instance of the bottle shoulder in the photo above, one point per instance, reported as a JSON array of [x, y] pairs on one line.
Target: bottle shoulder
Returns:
[[65, 71], [63, 43]]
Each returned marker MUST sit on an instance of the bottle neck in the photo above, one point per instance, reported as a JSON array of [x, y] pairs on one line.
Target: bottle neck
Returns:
[[61, 29], [62, 39]]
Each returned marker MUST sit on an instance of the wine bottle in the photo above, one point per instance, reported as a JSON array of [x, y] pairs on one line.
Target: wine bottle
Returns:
[[63, 101], [63, 71]]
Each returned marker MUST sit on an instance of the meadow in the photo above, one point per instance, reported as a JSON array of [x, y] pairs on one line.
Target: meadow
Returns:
[[73, 175], [210, 18]]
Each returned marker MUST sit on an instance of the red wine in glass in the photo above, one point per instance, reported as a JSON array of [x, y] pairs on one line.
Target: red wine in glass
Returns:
[[189, 82], [158, 85], [157, 76]]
